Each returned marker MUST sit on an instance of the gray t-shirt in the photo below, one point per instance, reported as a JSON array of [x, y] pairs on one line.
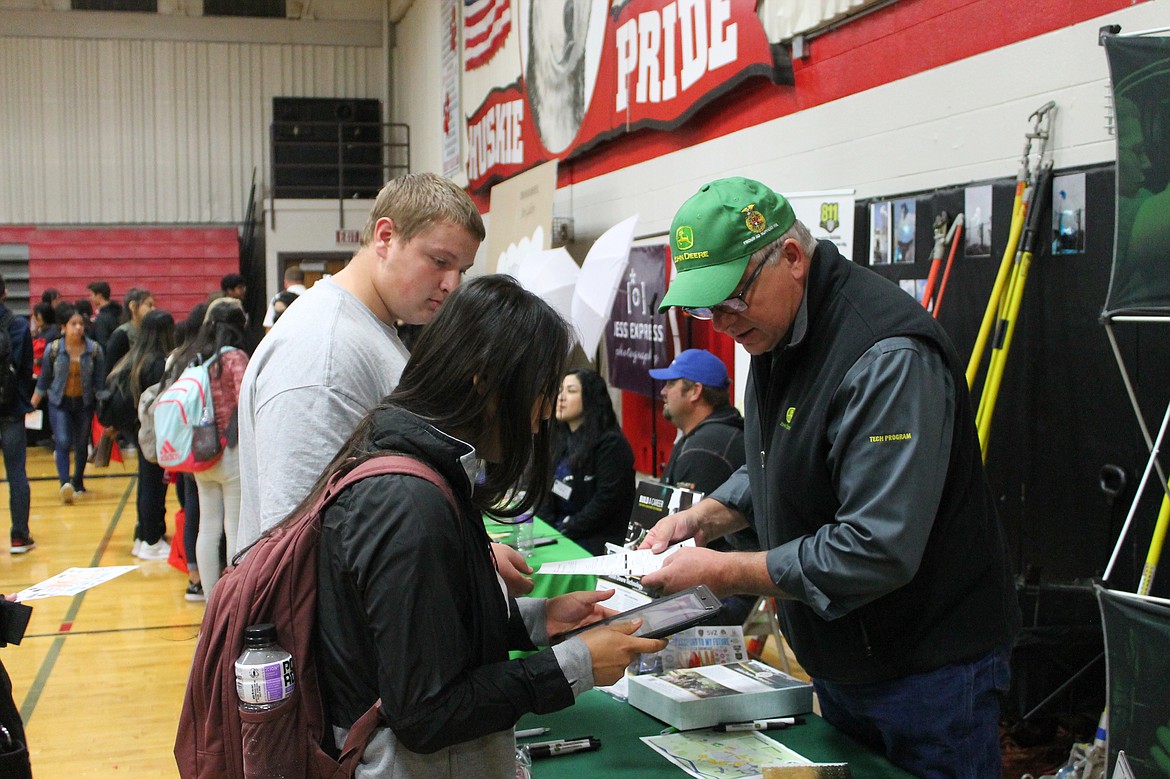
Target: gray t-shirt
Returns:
[[326, 362]]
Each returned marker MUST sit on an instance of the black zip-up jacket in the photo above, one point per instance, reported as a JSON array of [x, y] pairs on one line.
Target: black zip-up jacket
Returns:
[[410, 608]]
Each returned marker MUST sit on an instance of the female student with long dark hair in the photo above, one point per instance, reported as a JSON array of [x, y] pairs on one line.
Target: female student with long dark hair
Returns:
[[593, 491], [146, 362], [411, 609]]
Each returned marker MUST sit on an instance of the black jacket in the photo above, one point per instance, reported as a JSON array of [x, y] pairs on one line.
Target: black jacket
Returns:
[[705, 458], [598, 509], [22, 364], [410, 608], [106, 321]]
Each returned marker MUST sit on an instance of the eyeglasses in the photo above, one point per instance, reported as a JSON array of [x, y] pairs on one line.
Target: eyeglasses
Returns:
[[733, 305]]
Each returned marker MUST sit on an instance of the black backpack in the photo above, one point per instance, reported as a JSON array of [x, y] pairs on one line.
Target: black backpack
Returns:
[[116, 406], [7, 369]]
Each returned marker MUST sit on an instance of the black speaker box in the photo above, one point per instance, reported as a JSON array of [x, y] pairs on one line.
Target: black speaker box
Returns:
[[326, 148]]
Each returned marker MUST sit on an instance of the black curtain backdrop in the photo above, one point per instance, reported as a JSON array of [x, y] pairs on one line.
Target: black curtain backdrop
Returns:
[[1062, 412]]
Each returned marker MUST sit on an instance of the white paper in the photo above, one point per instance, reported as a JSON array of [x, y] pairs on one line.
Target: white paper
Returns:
[[72, 581], [35, 420], [631, 563]]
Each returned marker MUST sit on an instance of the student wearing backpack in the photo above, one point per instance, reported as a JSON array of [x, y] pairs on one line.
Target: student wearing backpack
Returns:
[[16, 363], [146, 363], [220, 344], [410, 607], [73, 371]]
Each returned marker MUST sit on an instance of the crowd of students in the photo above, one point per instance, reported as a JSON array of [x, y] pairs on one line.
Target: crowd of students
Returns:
[[63, 358]]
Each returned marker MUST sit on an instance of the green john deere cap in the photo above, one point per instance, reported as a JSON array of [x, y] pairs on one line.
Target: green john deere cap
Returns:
[[714, 234]]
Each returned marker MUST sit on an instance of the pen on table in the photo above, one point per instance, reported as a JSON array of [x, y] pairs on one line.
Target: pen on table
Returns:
[[530, 732], [760, 724], [552, 749], [562, 741]]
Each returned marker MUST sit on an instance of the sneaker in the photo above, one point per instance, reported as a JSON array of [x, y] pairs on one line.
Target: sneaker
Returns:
[[159, 550], [22, 545], [195, 592], [66, 493], [137, 550]]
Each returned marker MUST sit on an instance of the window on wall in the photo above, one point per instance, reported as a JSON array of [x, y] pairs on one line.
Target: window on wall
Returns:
[[142, 6], [273, 9]]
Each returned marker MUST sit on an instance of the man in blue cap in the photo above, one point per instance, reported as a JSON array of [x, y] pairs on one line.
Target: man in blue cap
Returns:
[[695, 399], [864, 482]]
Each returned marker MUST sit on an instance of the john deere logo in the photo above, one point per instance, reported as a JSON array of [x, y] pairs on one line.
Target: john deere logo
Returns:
[[788, 416], [684, 238], [755, 220]]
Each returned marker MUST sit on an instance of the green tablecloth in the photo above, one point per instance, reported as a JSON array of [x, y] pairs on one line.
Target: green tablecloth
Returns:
[[549, 585], [622, 754]]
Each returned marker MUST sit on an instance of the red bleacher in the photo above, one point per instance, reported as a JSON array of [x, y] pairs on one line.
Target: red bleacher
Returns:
[[180, 266]]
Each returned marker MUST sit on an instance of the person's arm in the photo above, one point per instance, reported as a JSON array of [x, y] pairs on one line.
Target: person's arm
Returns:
[[726, 573], [45, 380], [613, 489], [889, 490]]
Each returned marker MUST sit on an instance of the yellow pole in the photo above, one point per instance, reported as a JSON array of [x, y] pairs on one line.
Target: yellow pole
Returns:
[[1155, 553], [1019, 210], [1012, 311], [999, 352], [986, 401]]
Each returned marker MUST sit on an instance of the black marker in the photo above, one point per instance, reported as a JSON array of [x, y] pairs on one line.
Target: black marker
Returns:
[[760, 724], [554, 748]]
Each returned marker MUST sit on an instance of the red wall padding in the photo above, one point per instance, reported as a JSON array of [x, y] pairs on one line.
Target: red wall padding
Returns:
[[180, 266]]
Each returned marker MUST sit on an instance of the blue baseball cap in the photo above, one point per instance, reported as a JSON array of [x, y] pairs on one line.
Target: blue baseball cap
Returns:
[[697, 365]]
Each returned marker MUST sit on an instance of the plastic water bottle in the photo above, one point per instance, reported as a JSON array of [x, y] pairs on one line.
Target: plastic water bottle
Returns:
[[264, 671], [524, 532]]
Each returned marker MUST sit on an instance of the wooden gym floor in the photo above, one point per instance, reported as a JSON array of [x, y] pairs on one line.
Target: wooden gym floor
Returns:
[[99, 677]]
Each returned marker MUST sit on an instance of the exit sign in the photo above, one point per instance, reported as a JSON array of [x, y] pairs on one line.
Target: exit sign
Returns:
[[349, 236]]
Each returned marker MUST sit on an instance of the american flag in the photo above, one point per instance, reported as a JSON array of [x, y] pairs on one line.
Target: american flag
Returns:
[[486, 24]]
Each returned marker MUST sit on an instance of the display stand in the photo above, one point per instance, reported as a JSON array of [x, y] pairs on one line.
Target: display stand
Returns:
[[1139, 282]]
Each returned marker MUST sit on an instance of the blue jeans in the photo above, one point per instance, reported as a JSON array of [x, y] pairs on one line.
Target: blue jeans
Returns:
[[12, 436], [72, 421], [942, 723]]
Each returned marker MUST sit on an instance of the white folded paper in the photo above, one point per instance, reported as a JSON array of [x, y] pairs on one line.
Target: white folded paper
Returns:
[[627, 563]]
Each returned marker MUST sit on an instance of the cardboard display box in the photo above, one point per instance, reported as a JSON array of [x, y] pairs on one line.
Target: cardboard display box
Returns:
[[690, 698]]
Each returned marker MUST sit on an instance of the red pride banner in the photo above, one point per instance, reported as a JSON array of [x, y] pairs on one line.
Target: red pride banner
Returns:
[[595, 71]]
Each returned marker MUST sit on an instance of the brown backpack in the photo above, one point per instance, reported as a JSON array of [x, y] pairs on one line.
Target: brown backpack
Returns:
[[276, 582]]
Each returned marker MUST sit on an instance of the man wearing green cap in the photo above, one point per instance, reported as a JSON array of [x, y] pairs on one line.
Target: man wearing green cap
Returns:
[[864, 481]]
